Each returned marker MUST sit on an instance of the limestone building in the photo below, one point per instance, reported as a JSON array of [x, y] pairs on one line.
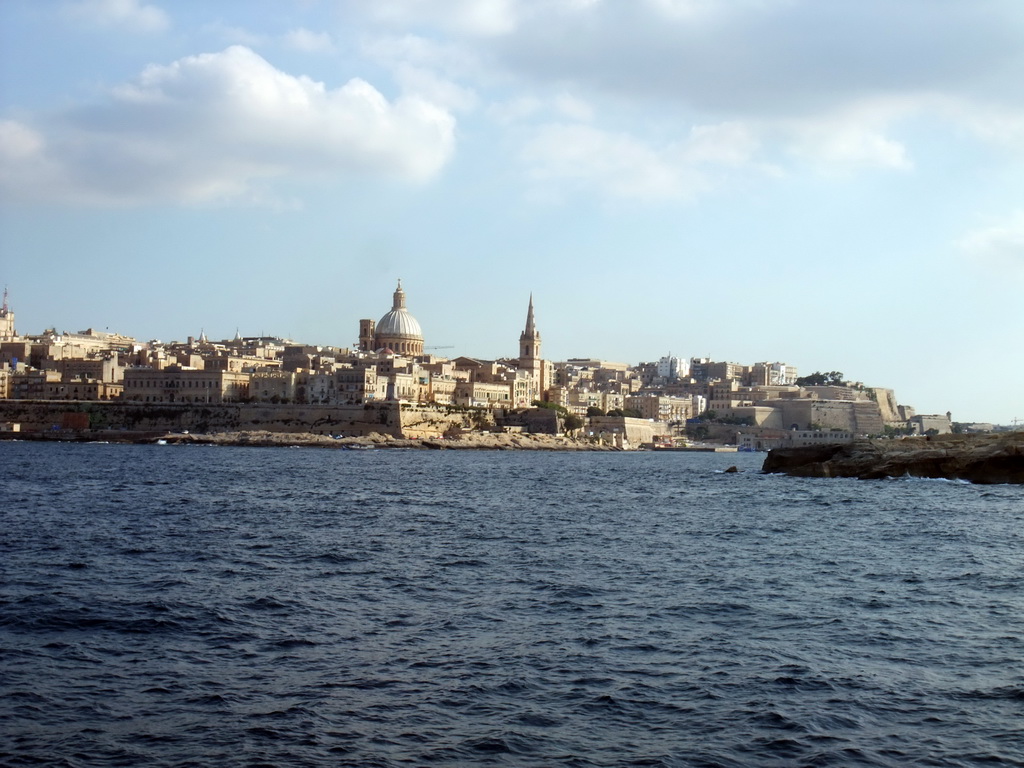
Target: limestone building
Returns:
[[398, 330]]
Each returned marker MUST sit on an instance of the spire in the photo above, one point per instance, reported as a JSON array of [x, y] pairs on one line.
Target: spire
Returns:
[[5, 310], [531, 329], [529, 339], [399, 302]]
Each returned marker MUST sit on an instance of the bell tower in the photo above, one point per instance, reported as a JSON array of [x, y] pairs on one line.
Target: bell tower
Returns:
[[529, 354], [6, 320], [529, 341]]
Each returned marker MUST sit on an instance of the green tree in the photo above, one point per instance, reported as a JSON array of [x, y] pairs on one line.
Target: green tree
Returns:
[[594, 411], [572, 422], [822, 379], [550, 406]]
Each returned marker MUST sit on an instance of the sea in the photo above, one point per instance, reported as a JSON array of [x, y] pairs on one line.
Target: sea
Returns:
[[240, 606]]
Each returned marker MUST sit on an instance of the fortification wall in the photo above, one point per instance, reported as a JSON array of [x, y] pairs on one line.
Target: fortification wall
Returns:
[[420, 422], [887, 405], [350, 420]]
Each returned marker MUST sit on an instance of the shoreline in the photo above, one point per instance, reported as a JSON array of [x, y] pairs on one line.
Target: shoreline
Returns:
[[261, 438], [469, 441]]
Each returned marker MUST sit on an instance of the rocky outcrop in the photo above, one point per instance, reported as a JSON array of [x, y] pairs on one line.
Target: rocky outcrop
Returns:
[[466, 441], [996, 458]]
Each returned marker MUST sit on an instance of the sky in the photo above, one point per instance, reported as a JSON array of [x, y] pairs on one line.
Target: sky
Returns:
[[834, 184]]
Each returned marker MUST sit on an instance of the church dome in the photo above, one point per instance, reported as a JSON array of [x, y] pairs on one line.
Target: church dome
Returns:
[[398, 322], [398, 329]]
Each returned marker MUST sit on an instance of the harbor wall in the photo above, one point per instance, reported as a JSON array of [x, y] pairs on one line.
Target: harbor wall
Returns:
[[398, 420]]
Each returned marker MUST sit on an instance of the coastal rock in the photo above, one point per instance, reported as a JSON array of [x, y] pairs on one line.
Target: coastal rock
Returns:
[[466, 441], [986, 459]]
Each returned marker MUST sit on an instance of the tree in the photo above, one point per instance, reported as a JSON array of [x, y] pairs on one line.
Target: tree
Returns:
[[821, 379], [572, 422], [593, 410], [550, 406]]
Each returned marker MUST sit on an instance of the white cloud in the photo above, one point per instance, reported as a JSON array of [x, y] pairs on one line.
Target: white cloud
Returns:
[[484, 18], [858, 136], [999, 246], [726, 144], [765, 58], [437, 90], [213, 126], [835, 148], [409, 50], [682, 9], [124, 14], [310, 42], [231, 35], [515, 109], [824, 84], [18, 142], [619, 165], [999, 125], [574, 108]]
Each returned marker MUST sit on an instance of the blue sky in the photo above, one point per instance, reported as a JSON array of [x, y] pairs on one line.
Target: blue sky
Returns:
[[834, 184]]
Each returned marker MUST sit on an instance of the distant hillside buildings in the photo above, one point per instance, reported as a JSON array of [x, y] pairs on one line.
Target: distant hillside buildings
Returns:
[[390, 364]]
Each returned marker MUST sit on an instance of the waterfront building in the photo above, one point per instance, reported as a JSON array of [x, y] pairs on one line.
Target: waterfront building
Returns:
[[922, 424], [661, 408], [180, 385], [482, 394]]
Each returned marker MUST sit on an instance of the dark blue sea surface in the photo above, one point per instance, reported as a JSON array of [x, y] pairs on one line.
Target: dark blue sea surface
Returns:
[[188, 605]]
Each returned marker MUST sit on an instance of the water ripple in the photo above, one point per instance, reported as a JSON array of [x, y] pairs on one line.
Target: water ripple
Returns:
[[245, 607]]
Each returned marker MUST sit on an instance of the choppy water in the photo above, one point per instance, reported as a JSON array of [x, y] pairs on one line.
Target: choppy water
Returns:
[[171, 606]]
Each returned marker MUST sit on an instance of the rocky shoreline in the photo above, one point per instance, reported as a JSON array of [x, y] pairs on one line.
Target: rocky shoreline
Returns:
[[467, 441], [985, 459], [262, 438]]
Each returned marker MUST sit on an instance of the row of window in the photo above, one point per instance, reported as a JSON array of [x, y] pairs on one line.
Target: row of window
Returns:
[[174, 384]]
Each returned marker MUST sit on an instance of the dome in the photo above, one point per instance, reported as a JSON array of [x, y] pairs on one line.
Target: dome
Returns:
[[398, 322], [399, 330]]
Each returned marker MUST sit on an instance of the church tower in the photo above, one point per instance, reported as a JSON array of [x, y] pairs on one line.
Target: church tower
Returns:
[[6, 321], [529, 341], [529, 356]]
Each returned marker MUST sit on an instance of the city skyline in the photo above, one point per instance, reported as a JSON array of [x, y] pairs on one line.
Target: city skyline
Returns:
[[836, 187]]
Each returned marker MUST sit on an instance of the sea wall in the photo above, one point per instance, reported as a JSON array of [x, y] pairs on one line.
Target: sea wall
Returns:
[[397, 420], [45, 415]]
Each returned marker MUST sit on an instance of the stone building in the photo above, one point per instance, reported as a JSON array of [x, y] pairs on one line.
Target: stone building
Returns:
[[398, 330], [181, 385]]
